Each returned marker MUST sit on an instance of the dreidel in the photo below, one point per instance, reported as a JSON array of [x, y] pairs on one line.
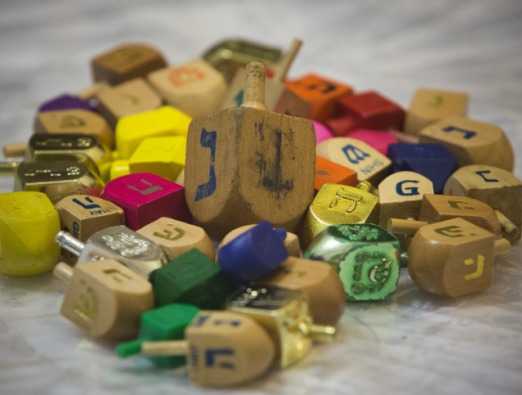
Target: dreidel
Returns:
[[327, 172], [453, 257], [66, 102], [246, 164], [119, 243], [28, 224], [104, 298], [222, 349], [378, 139], [318, 281], [56, 178], [367, 258], [339, 204], [285, 315], [496, 187]]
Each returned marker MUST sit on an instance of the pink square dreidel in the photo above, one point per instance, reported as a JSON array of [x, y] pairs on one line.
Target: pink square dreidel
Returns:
[[145, 197], [378, 139], [321, 132]]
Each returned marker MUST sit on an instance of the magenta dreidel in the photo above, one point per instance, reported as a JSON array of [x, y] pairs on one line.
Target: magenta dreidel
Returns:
[[378, 139], [321, 132]]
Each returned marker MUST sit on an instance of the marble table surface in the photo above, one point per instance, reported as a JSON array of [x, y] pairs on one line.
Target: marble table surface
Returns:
[[414, 343]]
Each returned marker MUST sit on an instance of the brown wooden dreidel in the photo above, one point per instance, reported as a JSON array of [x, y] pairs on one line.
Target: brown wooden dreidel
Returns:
[[247, 164]]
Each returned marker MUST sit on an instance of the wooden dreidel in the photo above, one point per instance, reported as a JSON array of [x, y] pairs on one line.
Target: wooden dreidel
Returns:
[[222, 349], [128, 98], [74, 121], [132, 129], [145, 197], [196, 88], [378, 139], [285, 315], [453, 257], [322, 132], [253, 254], [471, 142], [90, 92], [246, 164], [177, 237], [367, 258], [290, 240], [163, 156], [368, 163], [104, 298], [318, 281], [28, 224], [83, 215], [434, 161], [66, 102], [119, 243], [339, 204], [126, 62], [400, 195], [327, 172], [431, 105]]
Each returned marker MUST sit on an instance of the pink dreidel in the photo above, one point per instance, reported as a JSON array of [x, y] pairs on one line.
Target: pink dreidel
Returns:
[[378, 139], [145, 197], [321, 132]]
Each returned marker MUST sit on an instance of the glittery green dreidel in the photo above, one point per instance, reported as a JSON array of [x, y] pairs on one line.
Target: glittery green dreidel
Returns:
[[191, 278], [367, 258]]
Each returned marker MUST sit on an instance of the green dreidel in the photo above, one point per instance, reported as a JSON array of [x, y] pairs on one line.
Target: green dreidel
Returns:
[[367, 258], [163, 323]]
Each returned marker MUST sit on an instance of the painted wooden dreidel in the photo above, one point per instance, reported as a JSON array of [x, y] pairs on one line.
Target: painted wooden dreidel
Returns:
[[471, 142], [119, 243], [253, 254], [83, 215], [223, 349], [126, 62], [369, 164], [290, 240], [378, 139], [246, 164], [322, 132], [318, 281], [433, 161], [327, 172], [339, 204], [453, 257], [177, 237], [66, 102], [367, 258], [496, 187], [146, 197], [28, 224], [104, 298], [74, 121], [432, 105], [400, 195], [285, 315]]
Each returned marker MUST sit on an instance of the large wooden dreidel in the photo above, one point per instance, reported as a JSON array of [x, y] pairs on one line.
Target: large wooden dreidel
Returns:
[[453, 257], [247, 164]]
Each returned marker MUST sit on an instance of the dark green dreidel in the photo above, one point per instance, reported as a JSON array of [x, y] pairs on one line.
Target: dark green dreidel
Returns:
[[367, 258], [163, 323]]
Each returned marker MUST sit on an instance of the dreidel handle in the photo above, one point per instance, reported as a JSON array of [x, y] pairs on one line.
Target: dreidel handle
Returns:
[[69, 243], [317, 332], [404, 226], [165, 348], [63, 272], [501, 246], [15, 150], [290, 57], [505, 222], [8, 167], [405, 137], [255, 86]]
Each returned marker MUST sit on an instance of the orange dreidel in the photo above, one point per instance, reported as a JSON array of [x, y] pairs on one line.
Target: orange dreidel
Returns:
[[454, 257], [327, 172], [246, 164]]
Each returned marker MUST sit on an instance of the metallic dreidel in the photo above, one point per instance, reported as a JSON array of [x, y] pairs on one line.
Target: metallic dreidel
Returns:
[[28, 224], [339, 204], [120, 243], [56, 178], [453, 257], [222, 349], [159, 324], [286, 317], [104, 298], [367, 258], [497, 187]]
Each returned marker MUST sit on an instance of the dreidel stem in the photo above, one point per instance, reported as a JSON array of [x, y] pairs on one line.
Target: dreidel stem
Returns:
[[290, 57], [501, 246], [404, 226], [15, 150], [63, 272], [69, 243], [505, 222], [317, 332], [255, 86], [165, 348], [8, 167], [406, 138]]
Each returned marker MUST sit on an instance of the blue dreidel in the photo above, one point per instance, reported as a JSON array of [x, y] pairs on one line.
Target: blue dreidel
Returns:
[[433, 161], [254, 253]]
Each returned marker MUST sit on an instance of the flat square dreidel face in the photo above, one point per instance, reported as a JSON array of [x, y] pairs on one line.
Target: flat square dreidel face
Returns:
[[28, 226], [196, 88], [471, 142], [164, 156], [431, 105], [83, 215], [368, 163]]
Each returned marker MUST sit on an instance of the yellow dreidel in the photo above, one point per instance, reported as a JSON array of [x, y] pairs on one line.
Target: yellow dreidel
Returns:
[[339, 204], [131, 130], [247, 164], [119, 168]]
